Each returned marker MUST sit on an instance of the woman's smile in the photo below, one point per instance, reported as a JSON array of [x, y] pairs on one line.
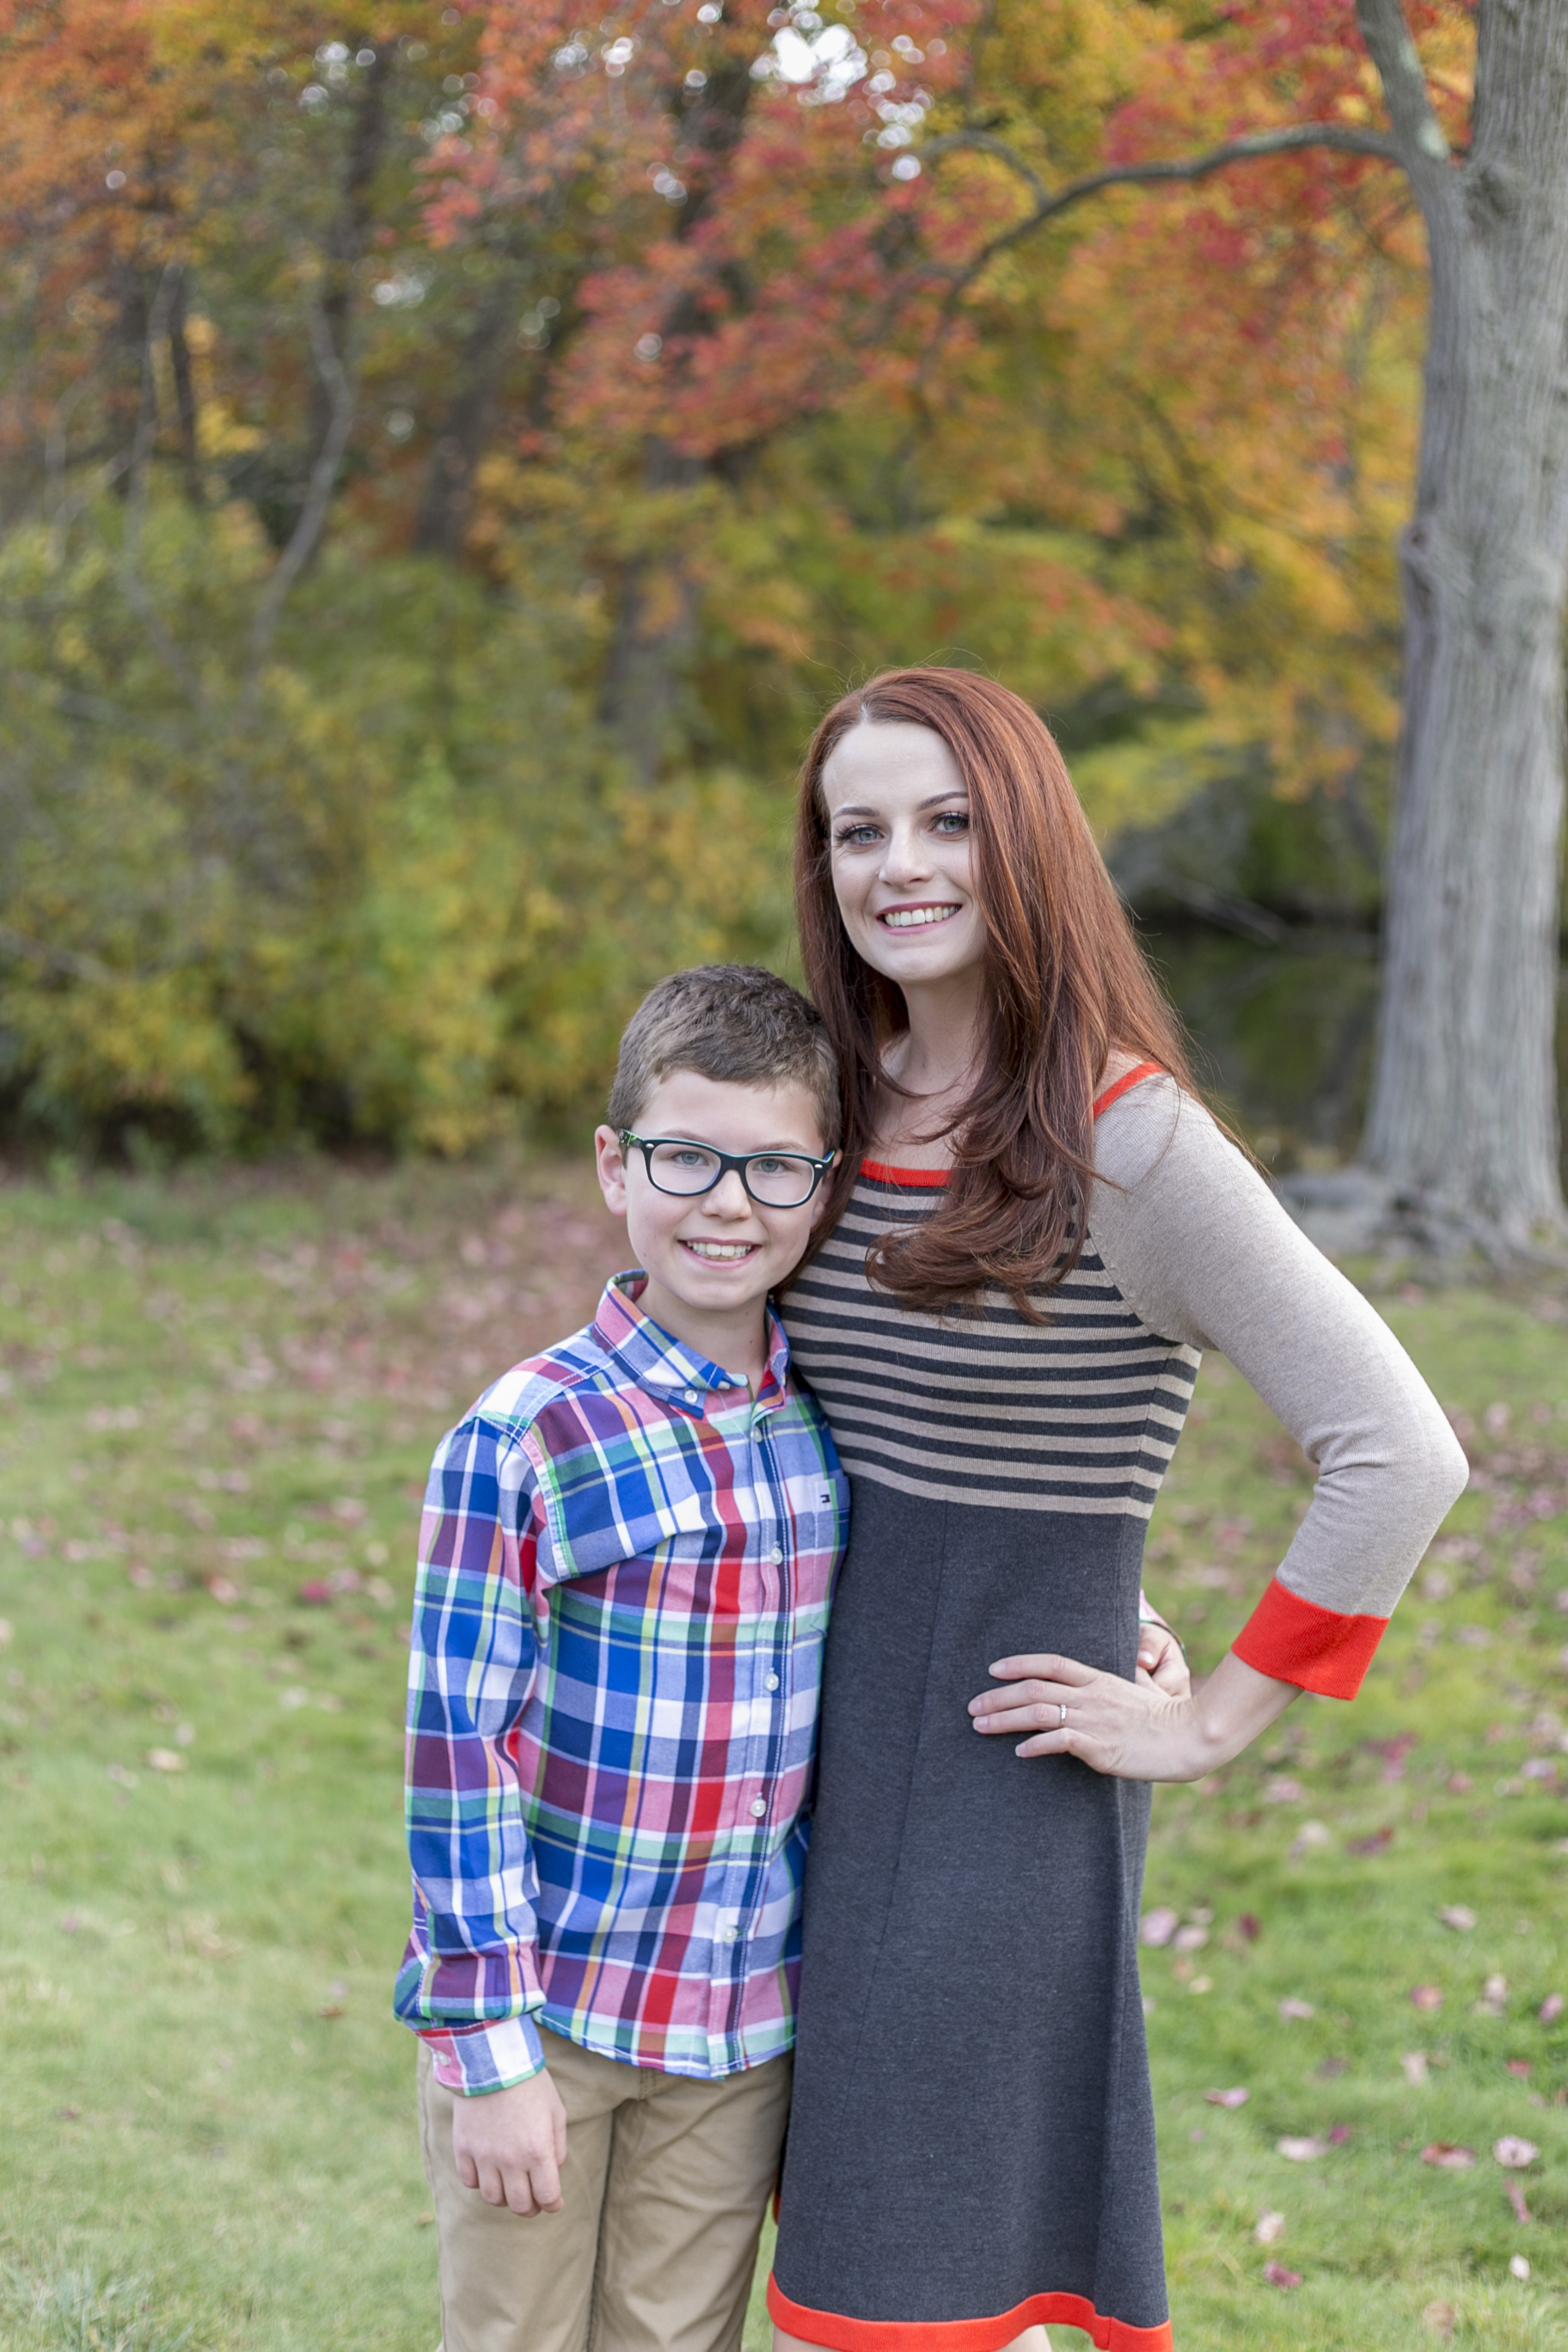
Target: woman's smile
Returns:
[[909, 919]]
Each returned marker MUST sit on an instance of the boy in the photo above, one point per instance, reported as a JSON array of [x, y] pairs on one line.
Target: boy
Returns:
[[625, 1564]]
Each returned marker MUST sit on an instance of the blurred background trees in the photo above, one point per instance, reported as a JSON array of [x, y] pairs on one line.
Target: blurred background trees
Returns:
[[449, 456]]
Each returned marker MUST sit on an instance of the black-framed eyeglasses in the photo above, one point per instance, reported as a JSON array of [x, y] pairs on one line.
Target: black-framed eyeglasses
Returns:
[[775, 1180]]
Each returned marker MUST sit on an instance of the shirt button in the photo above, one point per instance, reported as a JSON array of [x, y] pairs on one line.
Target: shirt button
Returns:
[[776, 1556], [693, 1397], [773, 1682], [728, 1935], [759, 1806]]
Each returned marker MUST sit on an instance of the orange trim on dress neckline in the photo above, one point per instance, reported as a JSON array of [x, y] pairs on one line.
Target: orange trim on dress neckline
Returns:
[[924, 1180], [1134, 1077]]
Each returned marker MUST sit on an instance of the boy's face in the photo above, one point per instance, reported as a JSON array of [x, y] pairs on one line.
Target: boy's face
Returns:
[[718, 1254]]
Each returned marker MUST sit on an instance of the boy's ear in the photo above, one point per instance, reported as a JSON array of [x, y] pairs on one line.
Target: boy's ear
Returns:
[[610, 1166]]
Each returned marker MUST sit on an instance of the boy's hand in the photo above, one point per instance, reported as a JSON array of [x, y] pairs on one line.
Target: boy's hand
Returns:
[[510, 2146], [1161, 1660]]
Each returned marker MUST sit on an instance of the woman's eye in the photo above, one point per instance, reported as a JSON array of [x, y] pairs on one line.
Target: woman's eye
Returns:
[[953, 821], [855, 836]]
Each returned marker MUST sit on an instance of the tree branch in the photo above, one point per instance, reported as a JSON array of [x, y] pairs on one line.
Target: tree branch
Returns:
[[313, 512], [1343, 136], [1417, 135], [65, 963]]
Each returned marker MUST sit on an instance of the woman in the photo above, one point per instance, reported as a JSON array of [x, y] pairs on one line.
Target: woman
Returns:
[[1037, 1229]]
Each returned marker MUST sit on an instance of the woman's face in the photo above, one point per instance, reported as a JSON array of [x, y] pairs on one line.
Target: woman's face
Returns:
[[898, 825]]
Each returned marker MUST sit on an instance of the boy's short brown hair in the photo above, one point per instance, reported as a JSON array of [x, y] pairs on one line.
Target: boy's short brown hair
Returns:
[[735, 1024]]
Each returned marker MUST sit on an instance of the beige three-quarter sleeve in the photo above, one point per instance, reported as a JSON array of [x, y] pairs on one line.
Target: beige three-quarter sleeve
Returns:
[[1201, 1249]]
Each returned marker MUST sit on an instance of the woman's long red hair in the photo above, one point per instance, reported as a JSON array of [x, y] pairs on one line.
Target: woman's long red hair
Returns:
[[1065, 980]]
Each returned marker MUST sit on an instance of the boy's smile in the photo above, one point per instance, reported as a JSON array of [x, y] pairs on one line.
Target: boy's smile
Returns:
[[713, 1257]]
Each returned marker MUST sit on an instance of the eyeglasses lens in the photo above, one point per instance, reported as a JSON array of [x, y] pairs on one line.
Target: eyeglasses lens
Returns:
[[775, 1180]]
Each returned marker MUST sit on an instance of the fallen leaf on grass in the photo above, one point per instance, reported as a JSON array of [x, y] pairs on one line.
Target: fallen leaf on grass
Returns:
[[314, 1593], [1338, 2135], [68, 2115], [1459, 1784], [1440, 2317], [1514, 2153], [223, 1589], [1236, 2097], [120, 1776], [425, 2220], [1551, 2009], [1520, 2066], [293, 1698], [1270, 2229], [1448, 2156], [1515, 2199], [167, 1760], [1414, 2065], [1278, 2276], [1191, 1939], [1519, 2265], [1426, 1995], [1457, 1915], [1302, 2151], [332, 2009], [1290, 2007], [1378, 1843]]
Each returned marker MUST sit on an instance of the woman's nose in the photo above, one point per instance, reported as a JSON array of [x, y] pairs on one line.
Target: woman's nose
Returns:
[[905, 859]]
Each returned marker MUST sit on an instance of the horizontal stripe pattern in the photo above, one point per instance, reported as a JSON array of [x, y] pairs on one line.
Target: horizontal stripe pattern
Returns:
[[1079, 1415]]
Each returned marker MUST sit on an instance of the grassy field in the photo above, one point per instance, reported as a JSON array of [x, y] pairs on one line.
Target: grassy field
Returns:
[[219, 1397]]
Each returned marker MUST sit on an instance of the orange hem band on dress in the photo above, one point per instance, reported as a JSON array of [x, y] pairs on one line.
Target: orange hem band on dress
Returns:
[[1296, 1640], [839, 2335]]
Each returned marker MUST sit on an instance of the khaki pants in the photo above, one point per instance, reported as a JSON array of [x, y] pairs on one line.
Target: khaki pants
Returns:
[[666, 2182]]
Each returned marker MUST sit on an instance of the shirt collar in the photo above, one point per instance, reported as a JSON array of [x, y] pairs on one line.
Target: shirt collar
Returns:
[[666, 1365]]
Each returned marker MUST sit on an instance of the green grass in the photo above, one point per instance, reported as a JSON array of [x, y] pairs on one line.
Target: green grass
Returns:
[[221, 1388]]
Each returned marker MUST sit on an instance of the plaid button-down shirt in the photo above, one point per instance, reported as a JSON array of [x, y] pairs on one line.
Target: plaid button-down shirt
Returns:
[[625, 1572]]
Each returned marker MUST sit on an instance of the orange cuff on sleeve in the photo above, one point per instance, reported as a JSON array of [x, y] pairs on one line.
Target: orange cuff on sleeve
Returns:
[[1294, 1641]]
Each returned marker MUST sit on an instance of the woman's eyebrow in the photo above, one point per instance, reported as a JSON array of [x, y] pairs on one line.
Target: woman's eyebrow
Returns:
[[933, 799]]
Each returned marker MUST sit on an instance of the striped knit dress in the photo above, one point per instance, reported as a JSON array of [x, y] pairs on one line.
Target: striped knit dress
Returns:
[[972, 2142]]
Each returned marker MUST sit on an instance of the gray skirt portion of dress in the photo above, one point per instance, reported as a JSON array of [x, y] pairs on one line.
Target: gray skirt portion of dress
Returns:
[[971, 2127]]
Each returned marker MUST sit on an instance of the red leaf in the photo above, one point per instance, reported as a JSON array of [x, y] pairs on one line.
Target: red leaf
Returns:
[[1278, 2276]]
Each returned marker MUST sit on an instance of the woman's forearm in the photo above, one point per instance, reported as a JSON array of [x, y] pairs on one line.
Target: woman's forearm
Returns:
[[1232, 1706]]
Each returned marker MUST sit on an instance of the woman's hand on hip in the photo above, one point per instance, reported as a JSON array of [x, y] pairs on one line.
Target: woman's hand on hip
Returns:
[[1128, 1730]]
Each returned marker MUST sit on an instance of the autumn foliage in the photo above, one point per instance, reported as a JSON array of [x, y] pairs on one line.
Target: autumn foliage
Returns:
[[449, 454]]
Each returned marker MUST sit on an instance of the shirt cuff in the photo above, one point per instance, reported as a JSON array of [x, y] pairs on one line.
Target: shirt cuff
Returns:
[[475, 2059], [1295, 1641]]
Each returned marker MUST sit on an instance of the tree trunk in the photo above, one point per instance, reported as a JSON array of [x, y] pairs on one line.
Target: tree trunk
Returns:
[[657, 598], [1464, 1117], [444, 508]]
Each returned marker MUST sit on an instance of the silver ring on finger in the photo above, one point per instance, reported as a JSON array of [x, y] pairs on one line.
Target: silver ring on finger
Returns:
[[1061, 1714]]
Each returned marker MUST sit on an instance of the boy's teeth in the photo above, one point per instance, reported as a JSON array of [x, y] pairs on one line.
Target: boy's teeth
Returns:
[[905, 919], [722, 1249]]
